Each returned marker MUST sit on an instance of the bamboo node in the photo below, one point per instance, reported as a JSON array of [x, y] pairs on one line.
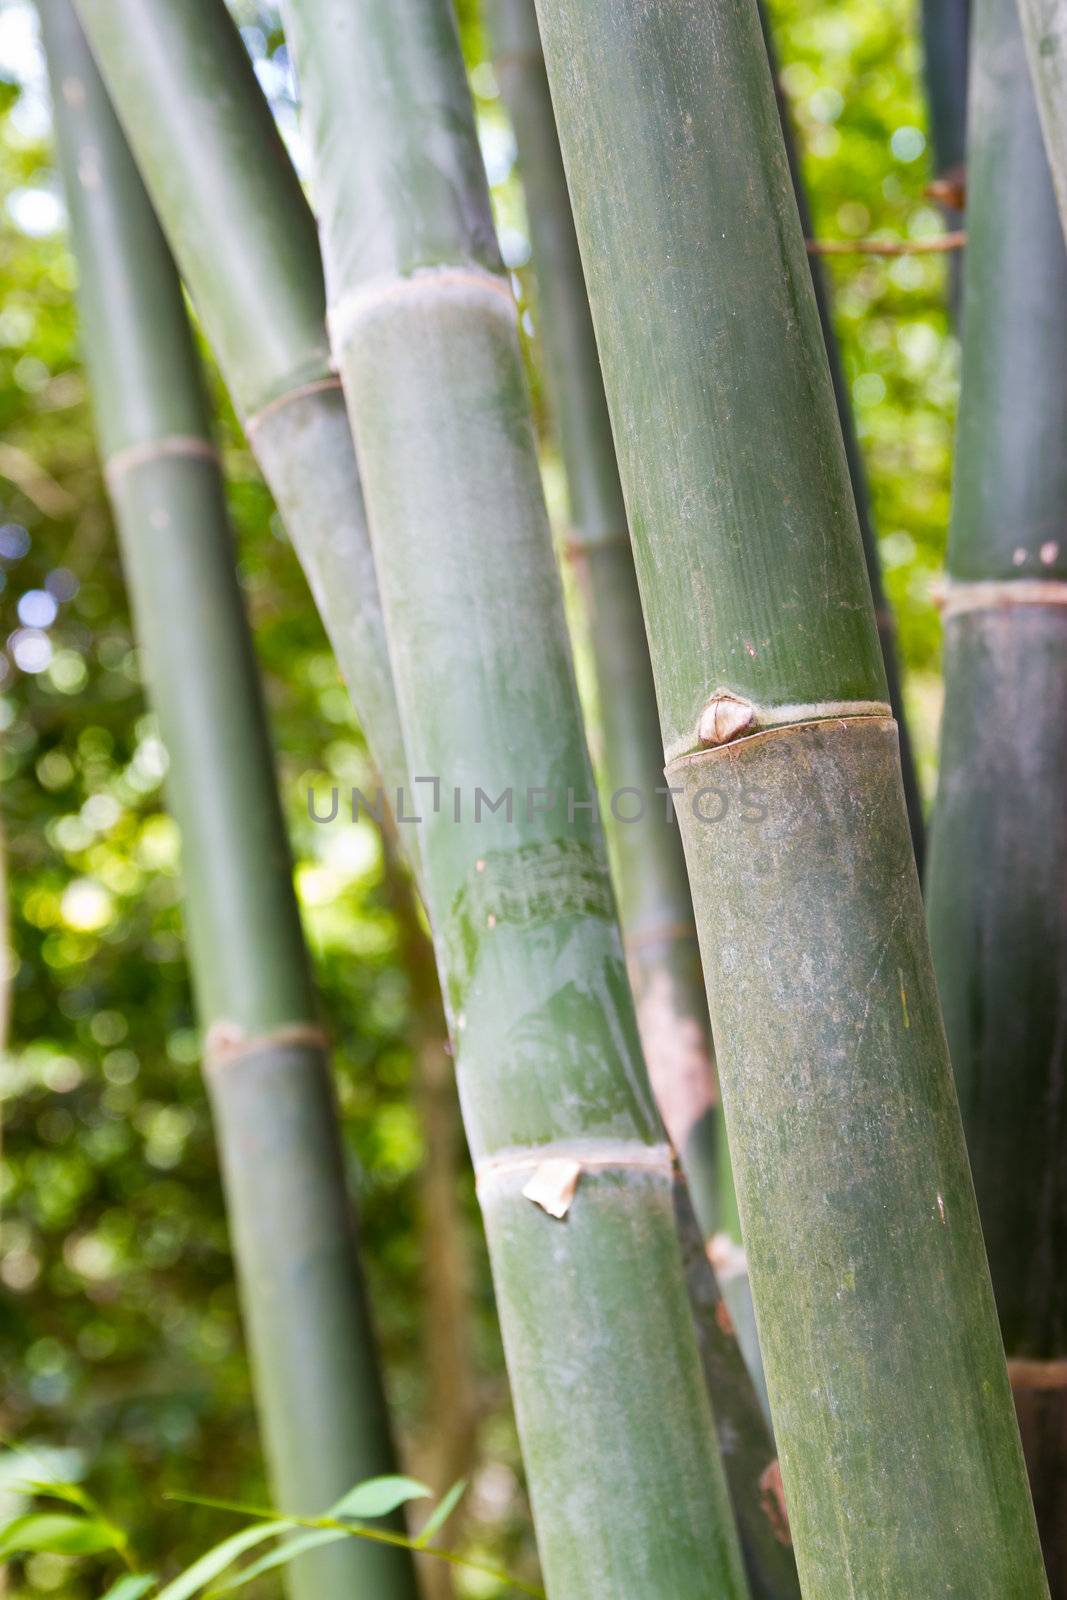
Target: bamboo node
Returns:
[[556, 1170], [954, 599], [426, 282], [290, 397], [175, 444], [726, 716], [227, 1042], [1029, 1374]]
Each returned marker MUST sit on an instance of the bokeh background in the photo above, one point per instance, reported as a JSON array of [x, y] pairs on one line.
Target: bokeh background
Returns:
[[120, 1344]]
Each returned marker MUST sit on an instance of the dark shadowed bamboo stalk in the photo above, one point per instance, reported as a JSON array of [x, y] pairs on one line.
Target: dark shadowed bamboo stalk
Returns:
[[946, 26], [572, 1167], [317, 1382], [887, 1379], [946, 30], [998, 860], [857, 470], [234, 213]]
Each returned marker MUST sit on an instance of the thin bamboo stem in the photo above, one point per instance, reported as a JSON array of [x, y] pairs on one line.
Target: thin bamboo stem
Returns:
[[858, 1212], [946, 26], [317, 1382], [857, 469], [600, 1347], [1045, 31], [998, 921], [244, 239]]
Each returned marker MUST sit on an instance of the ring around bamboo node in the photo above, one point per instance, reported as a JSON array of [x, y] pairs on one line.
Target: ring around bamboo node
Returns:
[[728, 718], [279, 403], [227, 1042], [953, 599], [428, 283], [177, 444]]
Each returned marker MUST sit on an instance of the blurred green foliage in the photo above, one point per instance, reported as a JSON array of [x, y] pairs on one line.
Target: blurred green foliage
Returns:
[[119, 1332]]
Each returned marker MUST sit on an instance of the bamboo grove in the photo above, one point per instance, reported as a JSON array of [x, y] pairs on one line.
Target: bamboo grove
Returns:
[[767, 1143]]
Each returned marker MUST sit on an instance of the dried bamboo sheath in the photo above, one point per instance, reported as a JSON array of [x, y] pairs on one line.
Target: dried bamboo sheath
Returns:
[[858, 1210], [317, 1382]]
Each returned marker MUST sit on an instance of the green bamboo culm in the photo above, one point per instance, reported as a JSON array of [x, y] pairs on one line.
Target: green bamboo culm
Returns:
[[653, 889], [655, 907], [857, 470], [317, 1383], [998, 920], [868, 1270], [244, 239], [572, 1166], [1045, 31]]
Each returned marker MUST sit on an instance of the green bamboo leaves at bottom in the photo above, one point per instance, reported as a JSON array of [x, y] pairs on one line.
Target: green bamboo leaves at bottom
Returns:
[[317, 1383], [998, 919], [886, 1374]]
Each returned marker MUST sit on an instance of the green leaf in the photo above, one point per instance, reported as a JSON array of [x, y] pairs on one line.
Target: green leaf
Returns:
[[60, 1491], [56, 1532], [441, 1512], [217, 1559], [378, 1496], [278, 1558], [131, 1587]]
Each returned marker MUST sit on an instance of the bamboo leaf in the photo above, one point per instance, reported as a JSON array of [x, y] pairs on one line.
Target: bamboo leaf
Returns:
[[57, 1532], [280, 1557], [217, 1559], [441, 1513], [61, 1491], [131, 1587], [376, 1497]]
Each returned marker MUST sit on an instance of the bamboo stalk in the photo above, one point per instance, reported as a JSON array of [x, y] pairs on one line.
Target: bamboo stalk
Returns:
[[655, 907], [317, 1382], [946, 29], [1045, 31], [998, 920], [573, 1171], [245, 242], [946, 26], [857, 470], [893, 1414]]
